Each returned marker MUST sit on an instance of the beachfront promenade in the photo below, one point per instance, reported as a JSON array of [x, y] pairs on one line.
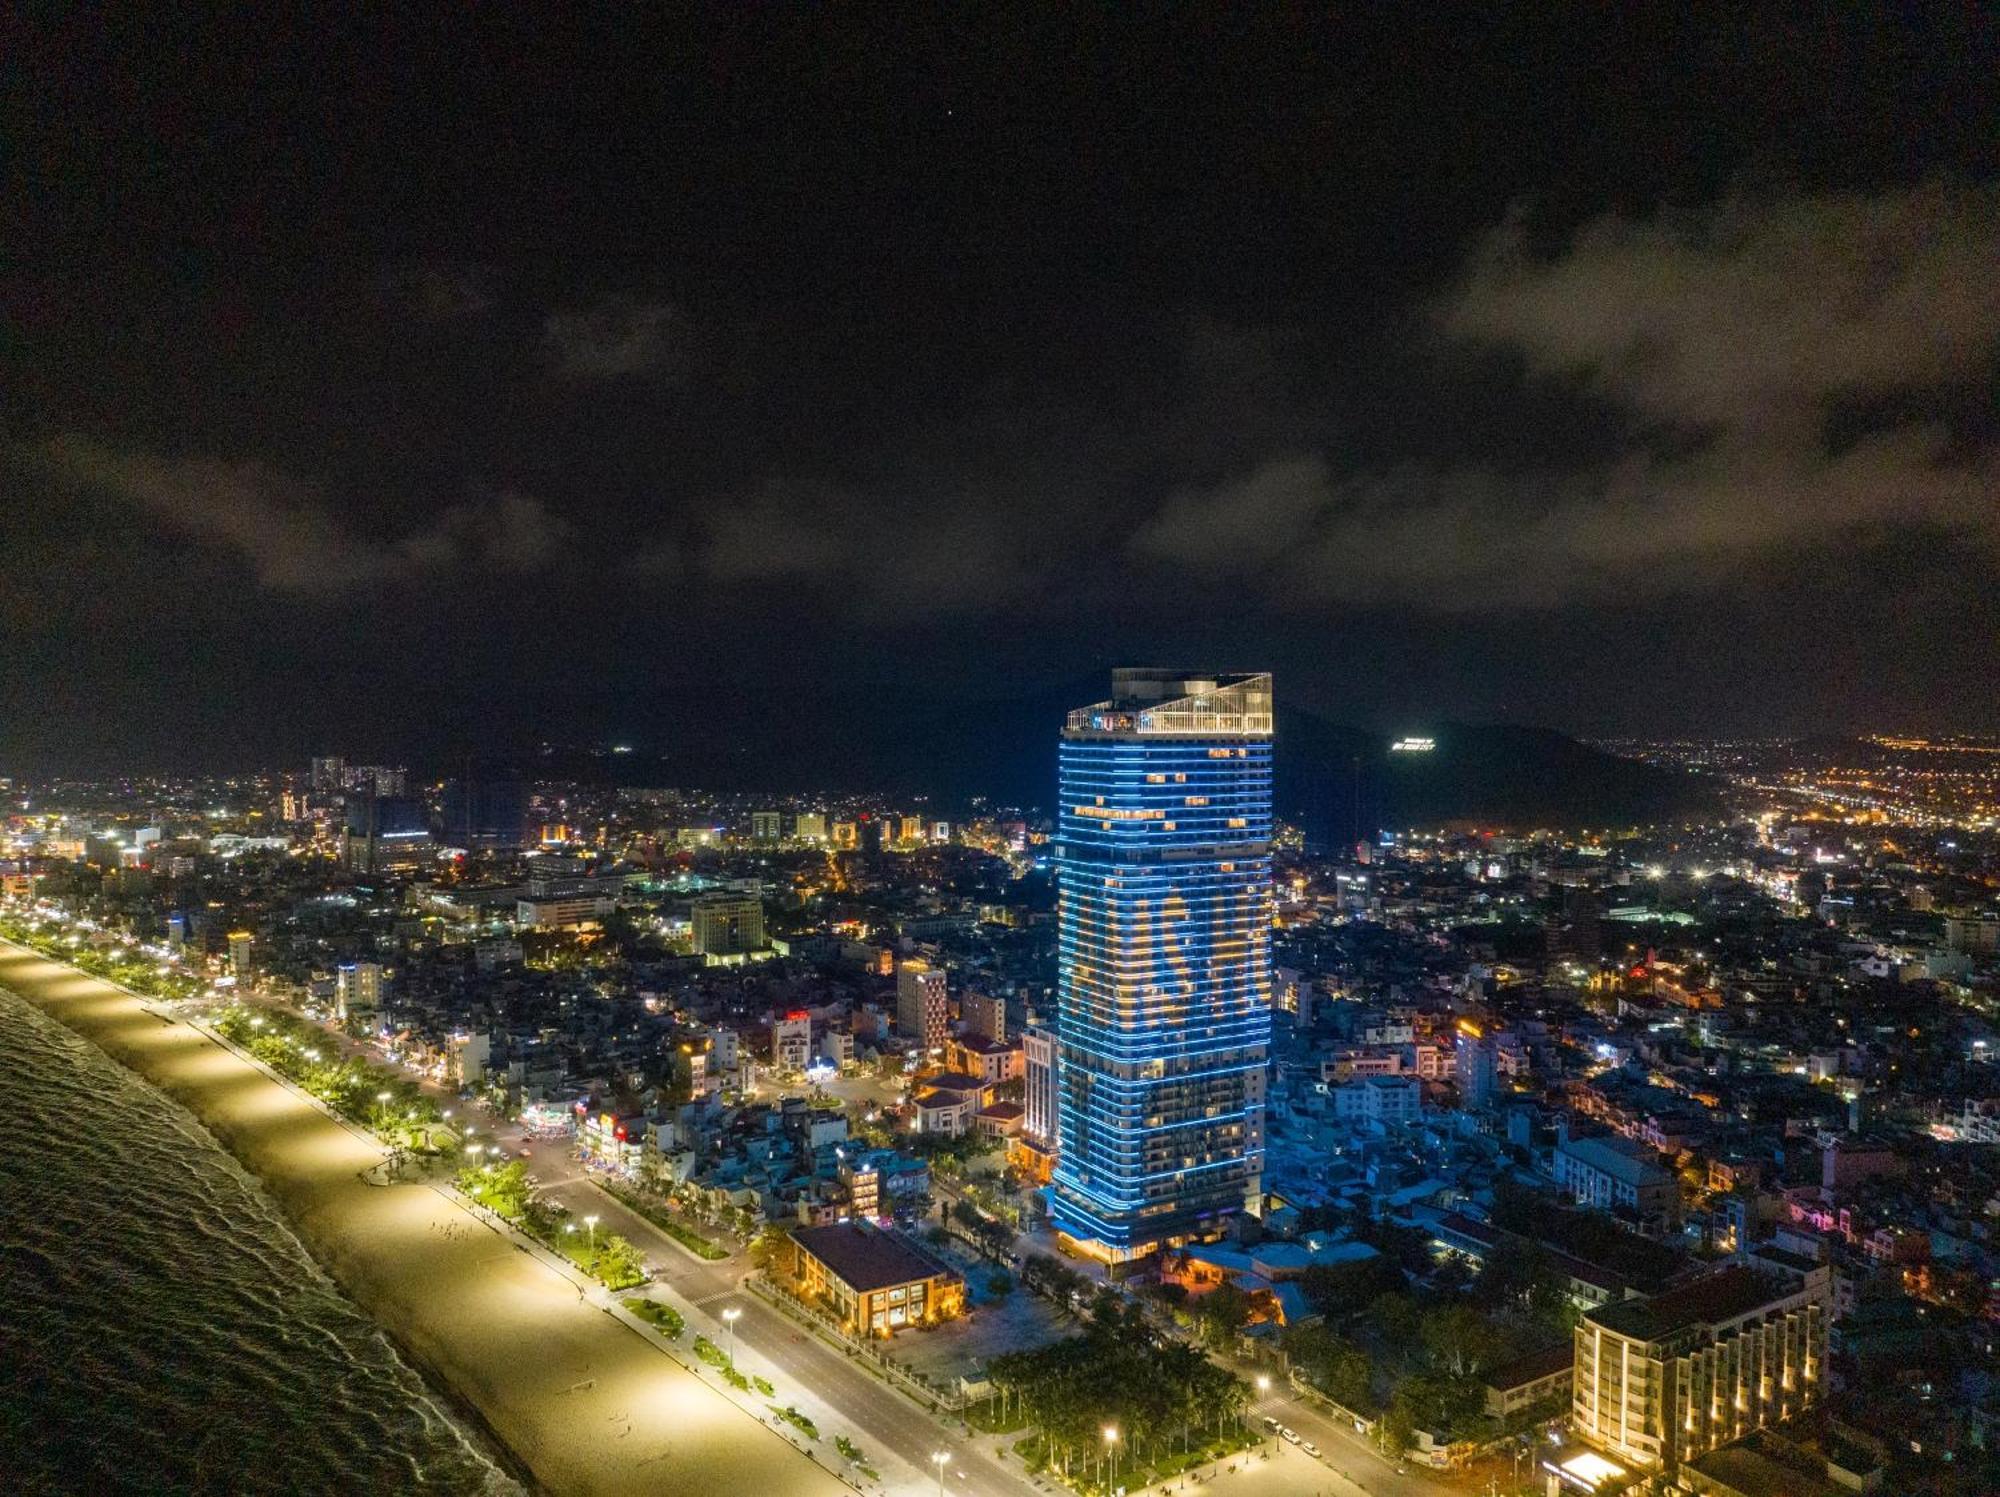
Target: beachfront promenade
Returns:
[[583, 1401]]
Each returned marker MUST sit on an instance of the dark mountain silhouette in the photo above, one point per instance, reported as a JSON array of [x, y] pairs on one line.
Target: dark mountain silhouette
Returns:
[[1341, 783], [1335, 781]]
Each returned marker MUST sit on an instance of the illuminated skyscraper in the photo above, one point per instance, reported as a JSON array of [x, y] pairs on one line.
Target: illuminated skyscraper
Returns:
[[1165, 940]]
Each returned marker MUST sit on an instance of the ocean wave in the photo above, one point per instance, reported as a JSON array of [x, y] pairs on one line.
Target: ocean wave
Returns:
[[165, 1330]]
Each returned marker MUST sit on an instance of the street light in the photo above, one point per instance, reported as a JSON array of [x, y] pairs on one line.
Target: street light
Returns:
[[729, 1319], [1111, 1443], [591, 1222], [940, 1459]]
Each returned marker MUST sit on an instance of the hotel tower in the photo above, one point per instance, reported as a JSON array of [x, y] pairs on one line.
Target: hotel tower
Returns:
[[1164, 1021]]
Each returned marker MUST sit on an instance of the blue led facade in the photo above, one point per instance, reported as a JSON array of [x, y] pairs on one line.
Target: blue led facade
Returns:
[[1164, 1025]]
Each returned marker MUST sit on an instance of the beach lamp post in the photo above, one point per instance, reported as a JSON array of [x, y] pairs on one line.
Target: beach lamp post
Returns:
[[591, 1222], [729, 1319], [1111, 1445], [940, 1459]]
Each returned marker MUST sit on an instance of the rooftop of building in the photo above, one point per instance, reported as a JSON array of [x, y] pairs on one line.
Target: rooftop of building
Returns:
[[1797, 1263], [955, 1081], [1723, 1296], [1170, 703], [979, 1044], [866, 1259], [1740, 1471], [1533, 1367], [1622, 1158]]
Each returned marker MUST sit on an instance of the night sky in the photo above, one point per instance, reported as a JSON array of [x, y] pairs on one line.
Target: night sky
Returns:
[[434, 384]]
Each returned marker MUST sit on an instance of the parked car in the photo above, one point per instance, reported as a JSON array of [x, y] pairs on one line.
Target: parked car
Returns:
[[1291, 1435], [1309, 1448]]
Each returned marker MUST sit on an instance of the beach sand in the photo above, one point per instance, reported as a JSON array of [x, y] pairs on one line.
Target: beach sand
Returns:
[[583, 1402]]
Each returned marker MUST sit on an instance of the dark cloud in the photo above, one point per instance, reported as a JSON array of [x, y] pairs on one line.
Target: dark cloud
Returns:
[[1753, 313], [447, 293], [291, 533], [1728, 343], [884, 557], [616, 340]]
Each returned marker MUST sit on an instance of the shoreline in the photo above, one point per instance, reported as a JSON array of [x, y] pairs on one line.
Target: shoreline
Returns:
[[571, 1399]]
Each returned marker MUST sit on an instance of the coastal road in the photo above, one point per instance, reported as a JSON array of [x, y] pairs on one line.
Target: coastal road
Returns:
[[877, 1416], [1349, 1465]]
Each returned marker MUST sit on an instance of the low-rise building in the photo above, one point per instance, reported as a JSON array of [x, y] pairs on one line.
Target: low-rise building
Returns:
[[1380, 1101], [1540, 1377], [791, 1041], [992, 1061], [561, 911], [875, 1283], [1619, 1175]]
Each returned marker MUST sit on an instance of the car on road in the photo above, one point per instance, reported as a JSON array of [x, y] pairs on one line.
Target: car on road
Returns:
[[1290, 1435], [1270, 1424], [1309, 1448], [527, 1154]]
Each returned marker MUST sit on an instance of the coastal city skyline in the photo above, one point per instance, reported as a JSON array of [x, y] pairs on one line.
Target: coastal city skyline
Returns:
[[1029, 751], [745, 1066]]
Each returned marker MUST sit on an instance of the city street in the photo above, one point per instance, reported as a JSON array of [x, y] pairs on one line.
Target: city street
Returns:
[[870, 1412], [874, 1415], [1346, 1455]]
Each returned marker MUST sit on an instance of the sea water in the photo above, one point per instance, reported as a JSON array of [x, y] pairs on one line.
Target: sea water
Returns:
[[161, 1329]]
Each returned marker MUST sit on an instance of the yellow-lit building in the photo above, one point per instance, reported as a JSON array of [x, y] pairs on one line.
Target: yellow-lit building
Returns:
[[1664, 1380], [874, 1282]]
